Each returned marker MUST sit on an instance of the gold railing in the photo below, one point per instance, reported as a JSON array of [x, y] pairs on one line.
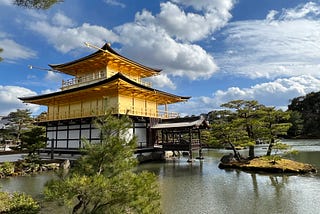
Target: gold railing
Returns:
[[138, 80], [80, 81], [119, 110]]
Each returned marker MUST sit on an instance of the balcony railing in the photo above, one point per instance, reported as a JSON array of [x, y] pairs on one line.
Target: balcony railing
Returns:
[[84, 80], [120, 110], [79, 81]]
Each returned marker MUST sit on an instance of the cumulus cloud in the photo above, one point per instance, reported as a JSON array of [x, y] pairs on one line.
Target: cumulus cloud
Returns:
[[60, 19], [9, 101], [310, 9], [163, 44], [192, 26], [212, 15], [65, 37], [170, 32], [276, 93], [12, 51], [161, 81], [285, 44], [160, 50]]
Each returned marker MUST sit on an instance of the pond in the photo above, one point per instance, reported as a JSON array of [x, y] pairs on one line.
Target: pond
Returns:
[[201, 187]]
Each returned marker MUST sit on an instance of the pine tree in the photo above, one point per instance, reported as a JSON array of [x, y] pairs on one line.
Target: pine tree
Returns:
[[20, 121], [248, 122], [104, 180], [33, 139]]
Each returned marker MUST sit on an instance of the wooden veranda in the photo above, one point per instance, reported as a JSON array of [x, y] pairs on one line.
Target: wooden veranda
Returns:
[[180, 134]]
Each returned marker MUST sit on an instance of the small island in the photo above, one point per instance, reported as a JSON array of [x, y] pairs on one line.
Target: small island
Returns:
[[265, 165]]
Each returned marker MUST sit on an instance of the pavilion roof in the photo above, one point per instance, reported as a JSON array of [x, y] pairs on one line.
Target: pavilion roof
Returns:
[[117, 84], [100, 59], [186, 122]]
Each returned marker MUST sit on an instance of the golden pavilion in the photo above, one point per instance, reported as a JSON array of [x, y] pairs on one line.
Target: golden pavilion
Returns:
[[102, 81]]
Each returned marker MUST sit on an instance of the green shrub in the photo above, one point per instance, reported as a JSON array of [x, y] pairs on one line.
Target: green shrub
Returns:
[[6, 169], [18, 203]]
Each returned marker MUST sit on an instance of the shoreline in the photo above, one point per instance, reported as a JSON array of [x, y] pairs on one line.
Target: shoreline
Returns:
[[24, 168]]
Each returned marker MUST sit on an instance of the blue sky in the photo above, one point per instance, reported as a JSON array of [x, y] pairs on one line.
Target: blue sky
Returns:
[[212, 50]]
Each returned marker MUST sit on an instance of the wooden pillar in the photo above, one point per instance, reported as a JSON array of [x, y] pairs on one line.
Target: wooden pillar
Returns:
[[52, 149], [57, 129], [166, 110], [162, 136], [80, 128], [200, 149], [90, 131], [68, 130], [190, 146]]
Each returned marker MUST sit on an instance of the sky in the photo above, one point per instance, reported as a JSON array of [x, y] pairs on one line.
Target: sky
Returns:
[[212, 50]]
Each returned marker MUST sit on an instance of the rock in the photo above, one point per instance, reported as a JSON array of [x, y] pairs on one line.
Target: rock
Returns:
[[52, 166], [227, 158], [65, 164]]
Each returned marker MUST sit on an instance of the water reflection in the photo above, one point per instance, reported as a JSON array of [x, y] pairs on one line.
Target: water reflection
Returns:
[[201, 187]]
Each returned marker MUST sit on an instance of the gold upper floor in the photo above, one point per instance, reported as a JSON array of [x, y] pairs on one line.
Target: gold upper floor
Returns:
[[95, 77]]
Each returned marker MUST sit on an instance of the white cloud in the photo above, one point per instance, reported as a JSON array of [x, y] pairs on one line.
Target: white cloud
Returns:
[[6, 2], [115, 3], [48, 91], [169, 33], [190, 26], [60, 19], [271, 15], [310, 9], [277, 93], [220, 7], [165, 37], [13, 51], [285, 44], [53, 77], [161, 81], [9, 101], [161, 48], [66, 38]]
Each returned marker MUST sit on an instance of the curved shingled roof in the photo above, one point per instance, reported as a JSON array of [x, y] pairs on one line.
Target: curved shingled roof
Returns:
[[37, 99], [104, 55]]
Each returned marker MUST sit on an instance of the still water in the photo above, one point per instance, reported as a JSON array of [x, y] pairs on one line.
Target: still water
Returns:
[[201, 187]]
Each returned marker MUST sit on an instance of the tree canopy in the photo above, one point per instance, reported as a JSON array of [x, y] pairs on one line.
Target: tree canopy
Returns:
[[305, 116], [103, 180], [36, 4], [19, 121], [33, 139], [244, 123]]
